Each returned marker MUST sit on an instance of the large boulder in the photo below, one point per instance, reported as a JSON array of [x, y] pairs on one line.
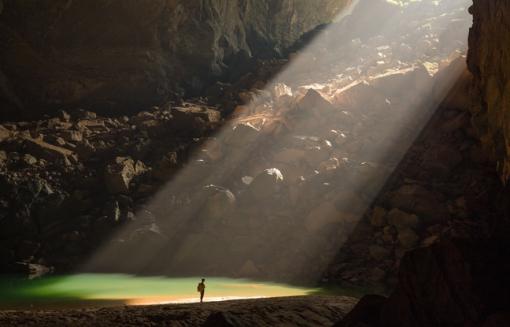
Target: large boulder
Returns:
[[219, 202], [266, 184], [119, 174]]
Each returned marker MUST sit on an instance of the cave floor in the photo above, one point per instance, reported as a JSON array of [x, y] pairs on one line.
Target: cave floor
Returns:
[[293, 311]]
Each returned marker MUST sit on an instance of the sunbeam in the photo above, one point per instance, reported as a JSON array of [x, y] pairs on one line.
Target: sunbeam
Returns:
[[279, 189]]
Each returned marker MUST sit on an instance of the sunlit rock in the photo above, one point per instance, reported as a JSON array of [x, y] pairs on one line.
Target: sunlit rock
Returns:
[[266, 184], [315, 104], [289, 156], [50, 152], [321, 216], [119, 174], [242, 135], [219, 202], [5, 134]]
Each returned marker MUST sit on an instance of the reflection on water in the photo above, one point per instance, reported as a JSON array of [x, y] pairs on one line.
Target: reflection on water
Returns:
[[87, 290]]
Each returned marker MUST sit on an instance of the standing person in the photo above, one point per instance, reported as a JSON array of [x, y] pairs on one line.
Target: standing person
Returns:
[[201, 289]]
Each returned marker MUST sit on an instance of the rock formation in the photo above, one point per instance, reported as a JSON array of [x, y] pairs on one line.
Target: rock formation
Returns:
[[124, 56], [463, 281], [489, 64]]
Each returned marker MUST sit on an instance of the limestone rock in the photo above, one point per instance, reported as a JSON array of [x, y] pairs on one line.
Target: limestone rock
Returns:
[[119, 174], [378, 217], [242, 135], [266, 184], [5, 134], [147, 47], [378, 252], [219, 202], [420, 201], [49, 152], [408, 238], [488, 62], [315, 104], [401, 219], [166, 167], [289, 156], [321, 216]]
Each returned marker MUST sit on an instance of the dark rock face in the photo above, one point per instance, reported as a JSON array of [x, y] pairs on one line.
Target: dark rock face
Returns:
[[452, 283], [463, 282], [119, 56], [489, 63]]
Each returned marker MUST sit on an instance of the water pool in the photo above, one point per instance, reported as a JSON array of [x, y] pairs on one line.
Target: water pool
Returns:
[[89, 290]]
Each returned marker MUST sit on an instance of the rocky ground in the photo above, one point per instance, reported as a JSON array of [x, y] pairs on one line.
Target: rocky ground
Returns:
[[311, 173], [308, 311]]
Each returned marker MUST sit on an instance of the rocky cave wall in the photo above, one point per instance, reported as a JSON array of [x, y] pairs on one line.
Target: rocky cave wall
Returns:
[[463, 281], [489, 61], [124, 55]]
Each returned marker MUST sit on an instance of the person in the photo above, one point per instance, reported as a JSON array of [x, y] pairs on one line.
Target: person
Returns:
[[201, 289]]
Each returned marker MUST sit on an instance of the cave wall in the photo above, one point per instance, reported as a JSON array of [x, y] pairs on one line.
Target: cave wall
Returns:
[[489, 61], [123, 55]]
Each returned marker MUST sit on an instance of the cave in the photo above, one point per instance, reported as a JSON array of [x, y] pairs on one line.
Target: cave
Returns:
[[307, 163]]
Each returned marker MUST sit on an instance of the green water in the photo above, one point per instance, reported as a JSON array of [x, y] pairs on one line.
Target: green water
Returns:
[[88, 290]]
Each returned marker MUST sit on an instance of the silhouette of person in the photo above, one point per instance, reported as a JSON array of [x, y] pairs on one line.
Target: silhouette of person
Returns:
[[201, 289]]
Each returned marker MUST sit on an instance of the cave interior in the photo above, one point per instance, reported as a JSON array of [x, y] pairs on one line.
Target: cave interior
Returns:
[[341, 162]]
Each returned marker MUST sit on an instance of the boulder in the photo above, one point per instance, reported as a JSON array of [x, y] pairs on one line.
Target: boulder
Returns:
[[71, 135], [401, 219], [441, 159], [49, 152], [209, 115], [266, 184], [359, 95], [378, 252], [313, 103], [378, 217], [329, 165], [119, 174], [315, 155], [212, 150], [166, 167], [281, 90], [402, 83], [377, 275], [452, 283], [408, 238], [242, 135], [289, 156], [365, 314], [321, 216], [3, 157], [5, 134], [29, 160], [219, 202], [420, 201], [94, 125]]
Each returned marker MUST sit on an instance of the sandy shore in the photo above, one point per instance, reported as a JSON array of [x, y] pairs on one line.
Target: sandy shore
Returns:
[[291, 311]]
